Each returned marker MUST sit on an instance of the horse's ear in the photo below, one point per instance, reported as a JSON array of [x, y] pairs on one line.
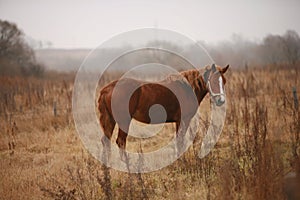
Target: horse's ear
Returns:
[[224, 69], [207, 73], [213, 67]]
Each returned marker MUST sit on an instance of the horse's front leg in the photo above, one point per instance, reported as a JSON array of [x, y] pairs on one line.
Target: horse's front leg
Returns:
[[181, 129]]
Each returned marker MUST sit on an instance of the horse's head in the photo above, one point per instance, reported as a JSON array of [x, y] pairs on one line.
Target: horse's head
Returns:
[[215, 81]]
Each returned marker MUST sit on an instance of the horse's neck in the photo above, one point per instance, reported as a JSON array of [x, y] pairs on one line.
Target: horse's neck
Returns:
[[200, 94], [201, 90]]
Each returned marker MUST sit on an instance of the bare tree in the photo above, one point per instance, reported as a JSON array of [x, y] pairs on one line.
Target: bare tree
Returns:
[[16, 56], [272, 49], [291, 47]]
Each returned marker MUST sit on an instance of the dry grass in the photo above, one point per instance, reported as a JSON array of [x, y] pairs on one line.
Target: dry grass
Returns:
[[41, 156]]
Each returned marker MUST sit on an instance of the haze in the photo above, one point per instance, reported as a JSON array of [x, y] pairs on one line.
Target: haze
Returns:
[[85, 24]]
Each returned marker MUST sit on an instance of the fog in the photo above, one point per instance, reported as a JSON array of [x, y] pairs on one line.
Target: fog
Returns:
[[80, 24], [239, 33], [237, 51]]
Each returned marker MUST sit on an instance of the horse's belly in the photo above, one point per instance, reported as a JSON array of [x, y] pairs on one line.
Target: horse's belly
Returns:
[[157, 104], [147, 120], [156, 115]]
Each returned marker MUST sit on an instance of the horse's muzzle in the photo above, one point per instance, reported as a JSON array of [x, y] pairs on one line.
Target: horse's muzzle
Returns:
[[219, 100]]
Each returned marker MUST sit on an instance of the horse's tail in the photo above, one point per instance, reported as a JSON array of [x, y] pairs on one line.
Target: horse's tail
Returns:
[[106, 119]]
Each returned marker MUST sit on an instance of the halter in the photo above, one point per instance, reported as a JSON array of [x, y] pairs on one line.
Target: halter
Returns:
[[221, 93]]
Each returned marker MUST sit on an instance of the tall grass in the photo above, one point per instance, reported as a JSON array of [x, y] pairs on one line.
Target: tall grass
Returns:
[[259, 145]]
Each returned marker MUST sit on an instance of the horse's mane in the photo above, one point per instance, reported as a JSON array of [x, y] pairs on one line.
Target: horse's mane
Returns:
[[191, 77]]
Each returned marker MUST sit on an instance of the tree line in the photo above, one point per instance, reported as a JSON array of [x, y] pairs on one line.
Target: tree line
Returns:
[[272, 50], [17, 58]]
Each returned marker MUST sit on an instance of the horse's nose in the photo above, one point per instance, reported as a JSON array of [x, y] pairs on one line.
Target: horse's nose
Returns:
[[220, 100]]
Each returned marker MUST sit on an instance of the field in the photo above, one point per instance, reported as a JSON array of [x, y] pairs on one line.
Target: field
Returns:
[[42, 157]]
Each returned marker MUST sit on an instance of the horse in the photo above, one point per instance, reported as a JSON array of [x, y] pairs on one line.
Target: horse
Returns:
[[148, 94]]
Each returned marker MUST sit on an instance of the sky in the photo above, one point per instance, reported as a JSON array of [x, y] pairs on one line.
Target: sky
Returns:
[[86, 24]]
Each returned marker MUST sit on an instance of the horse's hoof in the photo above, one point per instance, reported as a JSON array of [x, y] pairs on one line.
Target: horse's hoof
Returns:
[[123, 155]]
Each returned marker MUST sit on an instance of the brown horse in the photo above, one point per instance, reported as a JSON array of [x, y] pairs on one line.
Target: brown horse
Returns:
[[164, 93]]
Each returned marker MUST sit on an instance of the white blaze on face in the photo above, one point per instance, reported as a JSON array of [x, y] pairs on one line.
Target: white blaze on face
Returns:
[[221, 88]]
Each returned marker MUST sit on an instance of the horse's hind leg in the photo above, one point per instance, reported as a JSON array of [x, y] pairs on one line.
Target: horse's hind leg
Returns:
[[108, 129], [121, 142], [106, 119], [108, 124]]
